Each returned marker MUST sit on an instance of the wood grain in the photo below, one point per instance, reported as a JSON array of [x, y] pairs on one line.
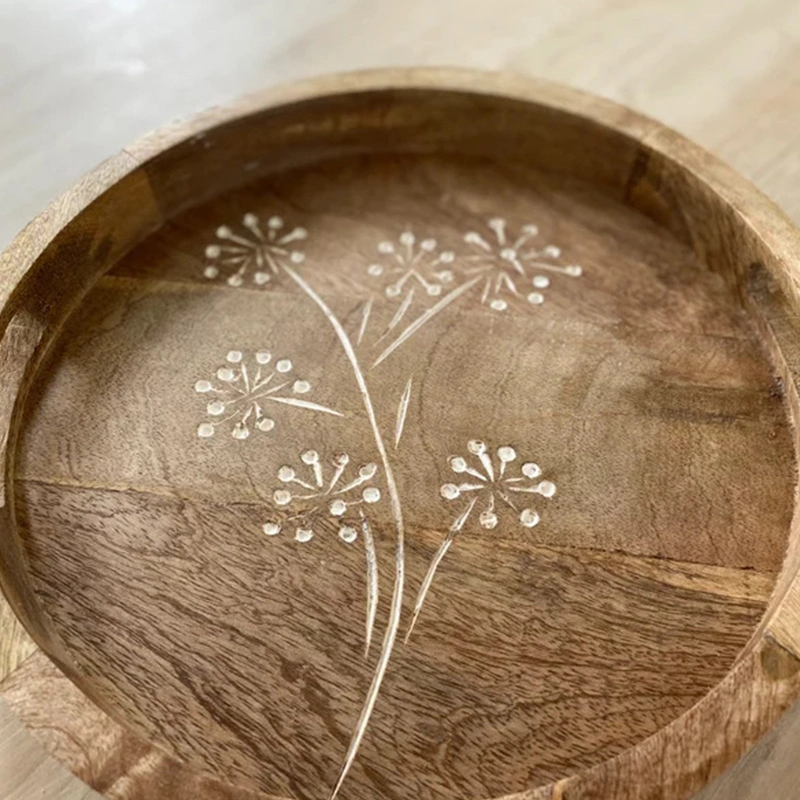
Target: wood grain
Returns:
[[771, 766], [724, 75], [27, 771], [550, 620], [625, 358], [718, 387], [98, 751], [16, 644]]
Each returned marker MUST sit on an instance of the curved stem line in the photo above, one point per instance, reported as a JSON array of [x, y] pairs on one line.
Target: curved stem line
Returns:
[[397, 594], [402, 411], [372, 581], [434, 565], [423, 318]]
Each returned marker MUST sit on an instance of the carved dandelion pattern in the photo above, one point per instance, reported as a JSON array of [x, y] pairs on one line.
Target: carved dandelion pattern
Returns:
[[412, 265], [409, 268], [417, 279], [412, 268], [256, 254], [324, 488], [513, 268], [241, 395], [334, 489], [487, 482]]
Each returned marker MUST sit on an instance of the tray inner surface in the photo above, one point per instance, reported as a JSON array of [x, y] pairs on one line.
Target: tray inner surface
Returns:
[[203, 398]]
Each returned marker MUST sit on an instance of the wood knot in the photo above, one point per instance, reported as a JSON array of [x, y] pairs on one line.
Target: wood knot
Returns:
[[761, 284], [778, 663]]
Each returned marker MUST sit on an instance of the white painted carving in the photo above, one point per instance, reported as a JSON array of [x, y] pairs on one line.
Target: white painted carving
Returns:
[[245, 392], [416, 281], [318, 489], [255, 254], [365, 313], [513, 269], [321, 488], [502, 269], [410, 270], [402, 412], [412, 264], [424, 318], [487, 483], [396, 604]]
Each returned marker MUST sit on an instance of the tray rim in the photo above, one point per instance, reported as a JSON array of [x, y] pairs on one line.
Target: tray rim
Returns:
[[764, 680]]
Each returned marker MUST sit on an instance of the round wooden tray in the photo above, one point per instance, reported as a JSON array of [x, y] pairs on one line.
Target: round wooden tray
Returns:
[[411, 435]]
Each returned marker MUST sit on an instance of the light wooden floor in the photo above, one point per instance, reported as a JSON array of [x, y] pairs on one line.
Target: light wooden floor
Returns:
[[79, 79]]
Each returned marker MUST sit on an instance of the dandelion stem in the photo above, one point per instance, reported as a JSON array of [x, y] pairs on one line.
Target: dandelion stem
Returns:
[[402, 411], [364, 320], [372, 581], [397, 593], [437, 559], [425, 317]]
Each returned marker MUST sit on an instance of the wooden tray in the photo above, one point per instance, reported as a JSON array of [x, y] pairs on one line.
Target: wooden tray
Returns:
[[411, 435]]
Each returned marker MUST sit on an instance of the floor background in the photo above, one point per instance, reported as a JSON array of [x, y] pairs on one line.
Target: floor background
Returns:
[[79, 79]]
